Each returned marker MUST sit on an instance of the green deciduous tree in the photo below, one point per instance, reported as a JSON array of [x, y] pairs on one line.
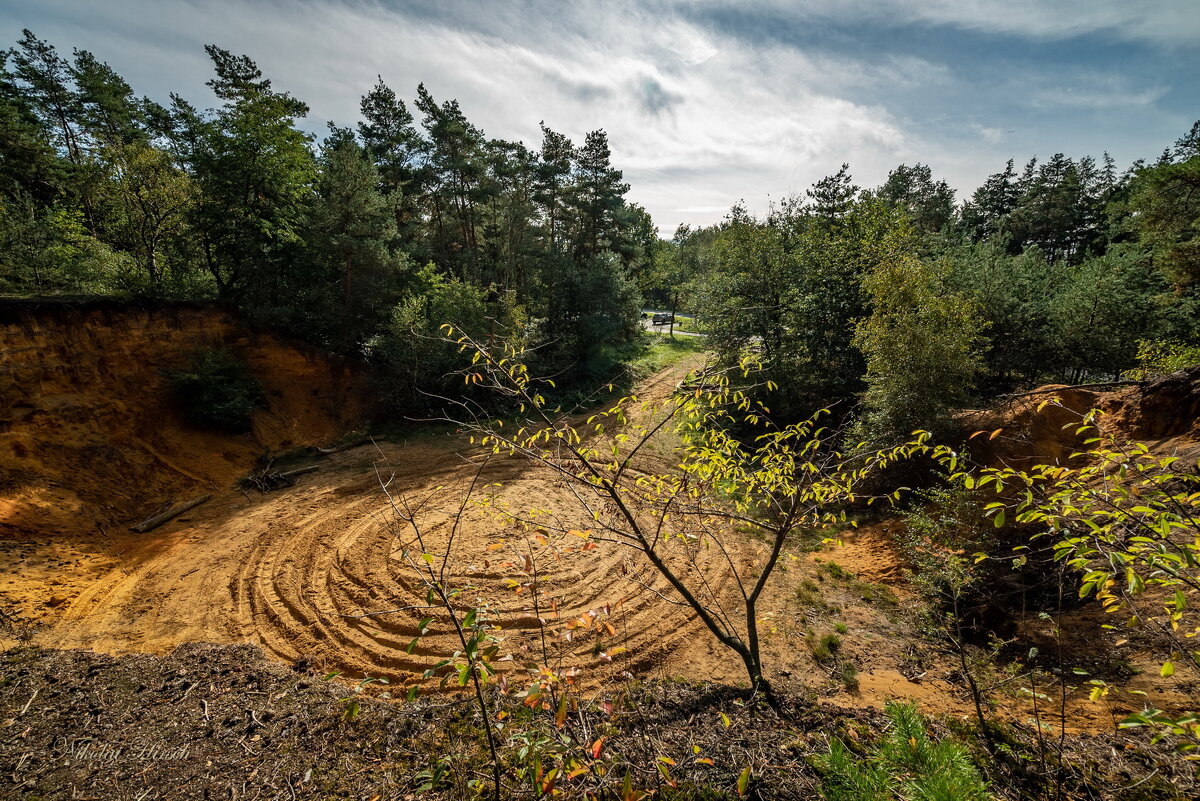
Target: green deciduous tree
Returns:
[[1125, 520], [151, 198], [922, 344], [417, 366], [49, 251], [681, 519]]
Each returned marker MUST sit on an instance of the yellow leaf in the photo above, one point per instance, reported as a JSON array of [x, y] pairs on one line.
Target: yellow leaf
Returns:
[[743, 782]]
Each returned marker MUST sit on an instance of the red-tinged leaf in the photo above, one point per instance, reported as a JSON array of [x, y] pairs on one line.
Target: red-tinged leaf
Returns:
[[608, 628], [597, 747], [704, 761]]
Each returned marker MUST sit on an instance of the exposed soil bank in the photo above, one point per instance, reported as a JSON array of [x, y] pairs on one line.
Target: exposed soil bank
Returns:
[[91, 438]]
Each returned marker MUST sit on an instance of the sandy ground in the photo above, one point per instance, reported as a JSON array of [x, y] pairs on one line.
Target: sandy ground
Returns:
[[323, 574], [311, 572], [305, 572]]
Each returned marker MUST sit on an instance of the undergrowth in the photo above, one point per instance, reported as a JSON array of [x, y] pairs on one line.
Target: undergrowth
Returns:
[[905, 763], [217, 391]]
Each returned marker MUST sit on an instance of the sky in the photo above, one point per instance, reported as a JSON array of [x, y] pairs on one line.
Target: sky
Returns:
[[705, 103]]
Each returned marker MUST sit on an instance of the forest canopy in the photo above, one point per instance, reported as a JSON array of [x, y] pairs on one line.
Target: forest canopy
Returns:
[[898, 305], [349, 242], [895, 305]]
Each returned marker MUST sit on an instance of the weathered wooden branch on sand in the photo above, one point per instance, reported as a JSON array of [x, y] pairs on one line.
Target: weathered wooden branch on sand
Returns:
[[154, 522], [267, 479], [354, 443]]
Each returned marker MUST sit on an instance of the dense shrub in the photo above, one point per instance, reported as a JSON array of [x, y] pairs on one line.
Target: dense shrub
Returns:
[[1157, 358], [217, 391]]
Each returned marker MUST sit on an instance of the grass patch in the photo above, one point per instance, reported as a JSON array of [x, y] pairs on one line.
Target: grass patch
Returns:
[[661, 351], [866, 591], [847, 674], [808, 593], [689, 325], [835, 571], [876, 593], [807, 540], [824, 648]]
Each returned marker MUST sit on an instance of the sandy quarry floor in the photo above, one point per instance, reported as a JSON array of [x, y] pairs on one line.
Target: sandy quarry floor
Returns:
[[312, 574], [305, 571]]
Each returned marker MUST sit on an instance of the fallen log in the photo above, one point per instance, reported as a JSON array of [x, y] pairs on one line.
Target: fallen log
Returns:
[[346, 446], [300, 471], [267, 479], [154, 522]]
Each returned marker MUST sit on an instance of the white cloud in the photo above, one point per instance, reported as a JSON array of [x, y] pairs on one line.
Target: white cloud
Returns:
[[1106, 93], [1170, 22], [697, 117], [992, 136], [710, 117]]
